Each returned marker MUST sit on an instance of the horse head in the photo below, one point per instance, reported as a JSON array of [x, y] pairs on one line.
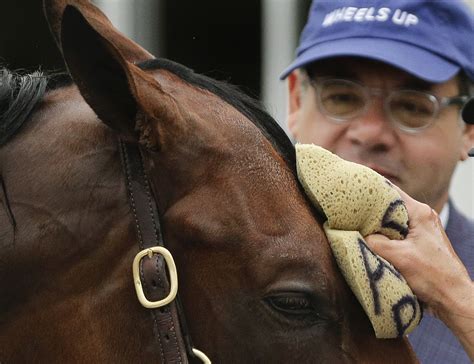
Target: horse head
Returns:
[[257, 280]]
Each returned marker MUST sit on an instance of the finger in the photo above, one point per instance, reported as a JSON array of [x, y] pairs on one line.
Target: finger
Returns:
[[410, 202], [416, 209], [390, 250], [380, 244]]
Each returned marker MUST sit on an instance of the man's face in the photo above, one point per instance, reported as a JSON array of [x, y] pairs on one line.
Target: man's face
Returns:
[[420, 163]]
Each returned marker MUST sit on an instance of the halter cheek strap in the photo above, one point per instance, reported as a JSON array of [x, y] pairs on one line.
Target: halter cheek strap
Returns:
[[156, 289]]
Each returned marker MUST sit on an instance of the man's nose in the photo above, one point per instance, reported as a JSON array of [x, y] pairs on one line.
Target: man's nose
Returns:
[[373, 128]]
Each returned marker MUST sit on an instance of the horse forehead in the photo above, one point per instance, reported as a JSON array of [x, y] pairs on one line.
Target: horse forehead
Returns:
[[258, 201]]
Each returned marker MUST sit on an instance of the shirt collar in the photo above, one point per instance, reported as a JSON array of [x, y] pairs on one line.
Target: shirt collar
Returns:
[[444, 215]]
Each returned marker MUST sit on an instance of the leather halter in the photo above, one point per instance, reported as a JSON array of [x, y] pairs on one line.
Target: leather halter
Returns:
[[152, 280]]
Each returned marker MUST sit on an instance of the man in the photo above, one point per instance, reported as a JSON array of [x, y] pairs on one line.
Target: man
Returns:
[[382, 83]]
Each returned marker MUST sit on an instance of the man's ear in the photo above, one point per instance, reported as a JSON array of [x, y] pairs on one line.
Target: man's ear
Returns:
[[468, 141], [294, 102]]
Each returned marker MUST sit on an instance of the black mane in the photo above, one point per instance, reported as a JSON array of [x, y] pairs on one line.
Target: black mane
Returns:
[[19, 93], [18, 96]]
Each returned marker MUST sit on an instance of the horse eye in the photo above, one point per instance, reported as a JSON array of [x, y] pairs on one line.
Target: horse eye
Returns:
[[295, 304]]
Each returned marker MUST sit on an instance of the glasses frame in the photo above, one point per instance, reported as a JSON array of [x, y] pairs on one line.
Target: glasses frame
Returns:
[[439, 103]]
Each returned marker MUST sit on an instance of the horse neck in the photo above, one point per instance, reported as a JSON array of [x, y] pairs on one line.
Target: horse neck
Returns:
[[65, 165], [70, 242]]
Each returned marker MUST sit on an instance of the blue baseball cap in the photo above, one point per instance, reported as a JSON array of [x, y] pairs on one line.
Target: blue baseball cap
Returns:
[[430, 39]]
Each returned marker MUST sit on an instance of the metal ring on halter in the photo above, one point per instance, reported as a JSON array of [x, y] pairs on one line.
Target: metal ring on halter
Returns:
[[199, 354], [172, 275]]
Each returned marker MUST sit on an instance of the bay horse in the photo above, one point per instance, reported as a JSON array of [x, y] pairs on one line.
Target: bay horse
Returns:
[[257, 280]]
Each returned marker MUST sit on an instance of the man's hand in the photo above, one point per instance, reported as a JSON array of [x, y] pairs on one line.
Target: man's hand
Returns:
[[434, 272]]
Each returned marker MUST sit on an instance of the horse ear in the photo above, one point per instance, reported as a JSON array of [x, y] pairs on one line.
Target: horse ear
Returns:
[[54, 11], [122, 95], [100, 72]]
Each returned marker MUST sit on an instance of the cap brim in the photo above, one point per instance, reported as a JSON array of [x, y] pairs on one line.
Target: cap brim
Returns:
[[468, 112], [414, 60]]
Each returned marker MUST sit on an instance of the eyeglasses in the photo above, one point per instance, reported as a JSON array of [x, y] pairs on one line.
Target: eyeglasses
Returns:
[[409, 110]]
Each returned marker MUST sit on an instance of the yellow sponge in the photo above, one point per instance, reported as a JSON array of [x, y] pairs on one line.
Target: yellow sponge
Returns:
[[357, 202]]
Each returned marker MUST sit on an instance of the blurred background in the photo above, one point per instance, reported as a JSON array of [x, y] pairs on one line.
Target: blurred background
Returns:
[[246, 42]]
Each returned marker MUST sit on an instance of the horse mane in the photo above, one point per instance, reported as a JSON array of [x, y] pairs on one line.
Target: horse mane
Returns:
[[19, 93]]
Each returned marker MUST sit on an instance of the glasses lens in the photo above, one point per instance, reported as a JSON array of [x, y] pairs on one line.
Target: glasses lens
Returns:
[[412, 109], [341, 99]]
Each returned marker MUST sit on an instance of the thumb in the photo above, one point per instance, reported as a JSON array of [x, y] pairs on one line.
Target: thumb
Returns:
[[381, 245]]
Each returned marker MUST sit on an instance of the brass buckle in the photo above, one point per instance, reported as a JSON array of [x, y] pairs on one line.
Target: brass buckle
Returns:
[[200, 355], [172, 274]]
